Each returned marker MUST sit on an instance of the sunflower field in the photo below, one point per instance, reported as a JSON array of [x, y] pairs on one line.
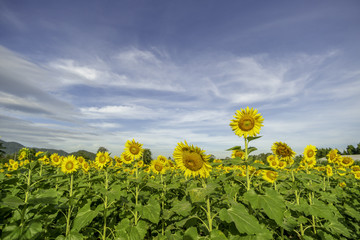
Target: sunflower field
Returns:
[[190, 197]]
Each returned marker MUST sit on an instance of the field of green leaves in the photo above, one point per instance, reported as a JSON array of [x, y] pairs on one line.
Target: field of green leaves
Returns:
[[190, 197]]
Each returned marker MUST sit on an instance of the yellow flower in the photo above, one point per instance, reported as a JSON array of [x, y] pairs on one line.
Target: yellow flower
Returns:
[[333, 156], [217, 161], [192, 160], [238, 153], [80, 159], [346, 161], [23, 153], [282, 165], [273, 161], [134, 149], [247, 122], [329, 171], [355, 168], [15, 166], [125, 158], [140, 164], [341, 171], [283, 151], [38, 153], [85, 166], [102, 158], [310, 152], [342, 184], [269, 176], [69, 164], [157, 166], [357, 175], [11, 161], [55, 159]]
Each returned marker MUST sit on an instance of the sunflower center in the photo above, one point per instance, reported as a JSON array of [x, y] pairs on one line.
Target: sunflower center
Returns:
[[310, 153], [134, 150], [69, 165], [192, 161], [239, 154], [282, 151], [346, 161], [56, 159], [246, 123], [158, 167], [102, 159], [271, 175]]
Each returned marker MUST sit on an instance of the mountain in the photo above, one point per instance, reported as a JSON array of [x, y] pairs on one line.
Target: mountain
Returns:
[[14, 147]]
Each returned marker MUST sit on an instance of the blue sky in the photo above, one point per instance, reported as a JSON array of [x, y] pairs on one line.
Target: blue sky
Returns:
[[84, 74]]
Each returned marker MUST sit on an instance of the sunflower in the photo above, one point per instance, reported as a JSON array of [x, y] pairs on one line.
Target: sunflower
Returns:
[[192, 160], [329, 171], [23, 153], [247, 122], [69, 164], [157, 166], [55, 159], [309, 152], [80, 159], [333, 156], [357, 175], [125, 158], [282, 165], [311, 162], [346, 161], [269, 176], [238, 153], [85, 166], [283, 151], [341, 171], [355, 168], [134, 149], [101, 160]]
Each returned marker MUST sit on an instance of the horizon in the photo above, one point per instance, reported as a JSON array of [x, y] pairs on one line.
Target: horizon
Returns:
[[86, 74]]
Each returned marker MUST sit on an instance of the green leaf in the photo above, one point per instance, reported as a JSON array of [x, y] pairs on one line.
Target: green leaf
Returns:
[[34, 228], [197, 195], [151, 211], [142, 228], [251, 149], [338, 228], [352, 212], [244, 222], [12, 201], [234, 148], [44, 196], [11, 232], [84, 217], [252, 138], [217, 235], [182, 207], [271, 203], [191, 234]]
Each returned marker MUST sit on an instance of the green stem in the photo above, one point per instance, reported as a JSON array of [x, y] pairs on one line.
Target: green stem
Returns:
[[313, 217], [27, 192], [70, 207], [162, 205], [247, 165], [208, 209], [136, 195], [105, 204]]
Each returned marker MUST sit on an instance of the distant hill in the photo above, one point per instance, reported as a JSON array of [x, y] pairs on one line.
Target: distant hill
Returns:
[[14, 147]]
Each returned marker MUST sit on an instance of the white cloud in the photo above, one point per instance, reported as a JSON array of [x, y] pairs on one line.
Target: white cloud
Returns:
[[70, 66]]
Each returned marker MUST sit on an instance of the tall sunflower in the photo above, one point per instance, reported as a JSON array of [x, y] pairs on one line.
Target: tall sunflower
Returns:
[[192, 160], [247, 122], [69, 165], [283, 151], [346, 161], [101, 160], [134, 149], [310, 152], [333, 156]]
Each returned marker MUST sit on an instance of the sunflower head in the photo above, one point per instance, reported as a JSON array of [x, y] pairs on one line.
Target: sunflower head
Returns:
[[238, 153], [329, 171], [85, 166], [192, 160], [310, 152], [158, 167], [283, 151], [269, 176], [55, 159], [357, 175], [333, 156], [126, 158], [134, 149], [346, 161], [102, 159], [69, 164], [247, 122], [23, 153]]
